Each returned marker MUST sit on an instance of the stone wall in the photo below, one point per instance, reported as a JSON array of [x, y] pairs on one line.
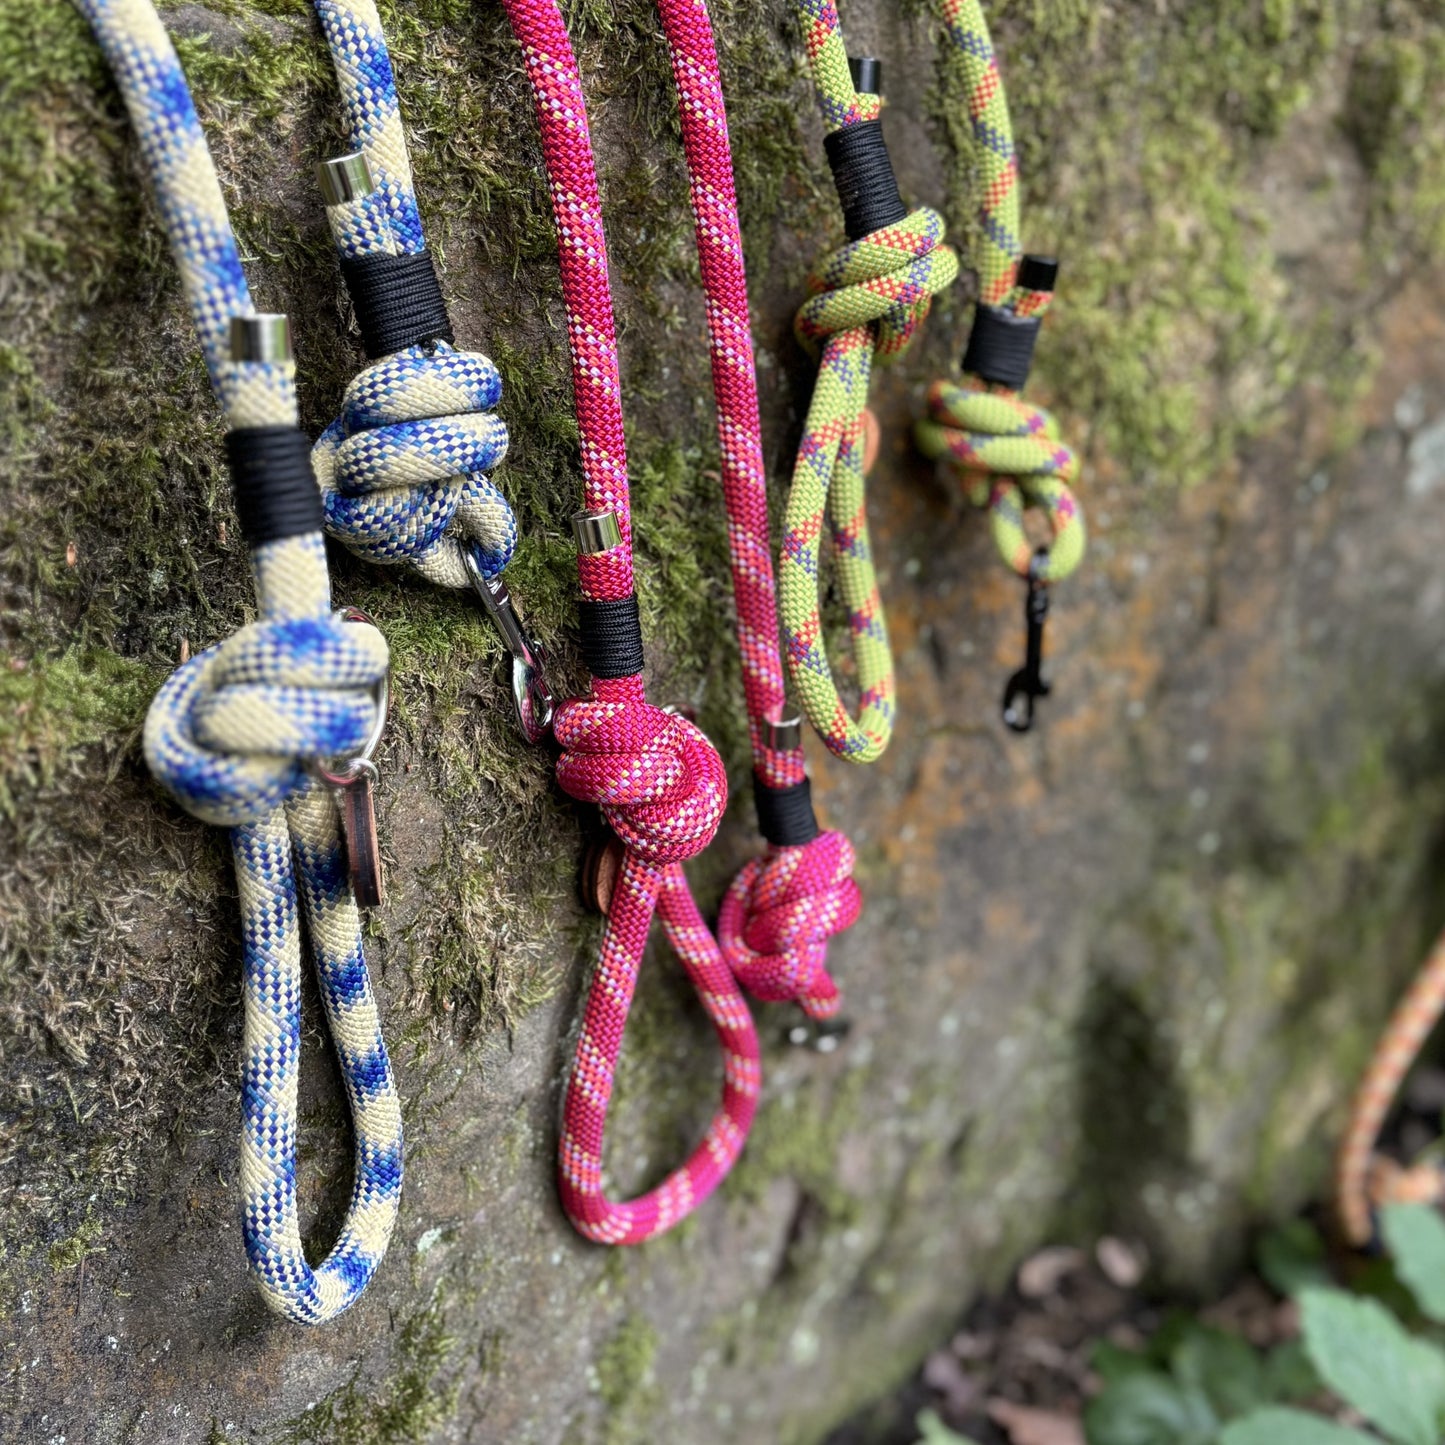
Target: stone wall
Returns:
[[1122, 971]]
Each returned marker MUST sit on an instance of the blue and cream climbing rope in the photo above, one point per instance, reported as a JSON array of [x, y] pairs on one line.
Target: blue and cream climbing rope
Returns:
[[403, 468], [238, 734]]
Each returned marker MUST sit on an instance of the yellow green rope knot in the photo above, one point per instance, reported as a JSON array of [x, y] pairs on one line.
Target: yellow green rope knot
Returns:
[[1010, 456]]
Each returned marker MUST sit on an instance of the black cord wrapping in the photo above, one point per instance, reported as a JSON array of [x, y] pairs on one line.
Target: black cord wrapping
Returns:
[[1001, 346], [611, 637], [785, 815], [274, 487], [398, 301], [863, 174]]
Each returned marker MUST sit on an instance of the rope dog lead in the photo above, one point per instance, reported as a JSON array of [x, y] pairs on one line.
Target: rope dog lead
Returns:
[[1364, 1179], [403, 467], [867, 301], [235, 733], [1009, 454], [782, 908], [659, 781]]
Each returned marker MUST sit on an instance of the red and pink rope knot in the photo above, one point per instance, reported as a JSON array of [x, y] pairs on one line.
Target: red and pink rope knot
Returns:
[[778, 916], [657, 778]]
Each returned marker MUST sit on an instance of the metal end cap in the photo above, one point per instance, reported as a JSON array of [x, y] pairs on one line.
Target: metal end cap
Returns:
[[867, 73], [596, 532], [261, 338], [344, 178], [783, 736]]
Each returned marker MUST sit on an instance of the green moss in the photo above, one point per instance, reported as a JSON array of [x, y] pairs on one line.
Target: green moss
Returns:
[[406, 1408], [625, 1383], [74, 1249], [49, 709]]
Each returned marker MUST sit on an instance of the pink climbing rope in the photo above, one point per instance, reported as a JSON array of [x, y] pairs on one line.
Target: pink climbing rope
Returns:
[[782, 908], [659, 781]]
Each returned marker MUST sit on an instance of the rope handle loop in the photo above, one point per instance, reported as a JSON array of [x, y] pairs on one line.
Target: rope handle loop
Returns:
[[867, 300], [235, 732], [659, 781]]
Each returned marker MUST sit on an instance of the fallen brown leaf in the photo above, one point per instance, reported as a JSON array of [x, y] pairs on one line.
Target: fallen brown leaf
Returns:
[[1028, 1426]]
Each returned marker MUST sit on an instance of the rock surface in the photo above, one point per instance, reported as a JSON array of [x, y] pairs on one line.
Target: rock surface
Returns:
[[1122, 971]]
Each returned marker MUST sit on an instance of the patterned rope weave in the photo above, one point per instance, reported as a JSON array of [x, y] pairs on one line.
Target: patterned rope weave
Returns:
[[868, 299], [1364, 1179], [1009, 453], [402, 469], [232, 731], [782, 907], [660, 783]]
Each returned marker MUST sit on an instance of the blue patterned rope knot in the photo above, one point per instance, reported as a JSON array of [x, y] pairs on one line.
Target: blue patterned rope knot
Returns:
[[402, 469], [234, 735], [235, 731]]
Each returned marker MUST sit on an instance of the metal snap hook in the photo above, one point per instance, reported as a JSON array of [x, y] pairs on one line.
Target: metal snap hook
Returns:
[[535, 701], [1029, 684], [354, 782]]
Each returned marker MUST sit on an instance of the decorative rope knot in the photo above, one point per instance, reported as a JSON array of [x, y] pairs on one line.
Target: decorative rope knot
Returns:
[[659, 781], [890, 277], [778, 916], [232, 733], [402, 468], [1011, 456]]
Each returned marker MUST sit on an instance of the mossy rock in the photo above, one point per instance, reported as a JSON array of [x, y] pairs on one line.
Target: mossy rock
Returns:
[[1122, 972]]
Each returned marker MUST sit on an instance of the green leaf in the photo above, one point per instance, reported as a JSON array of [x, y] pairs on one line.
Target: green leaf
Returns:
[[1292, 1257], [1415, 1235], [1365, 1356], [935, 1432], [1112, 1362], [1290, 1427], [1225, 1369], [1150, 1408], [1288, 1373]]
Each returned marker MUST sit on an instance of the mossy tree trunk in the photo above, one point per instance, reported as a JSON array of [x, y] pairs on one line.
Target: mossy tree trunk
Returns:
[[1120, 972]]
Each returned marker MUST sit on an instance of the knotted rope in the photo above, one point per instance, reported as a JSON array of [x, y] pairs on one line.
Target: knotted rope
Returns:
[[234, 732], [1008, 452], [1365, 1180], [658, 780], [782, 907], [402, 469], [868, 299]]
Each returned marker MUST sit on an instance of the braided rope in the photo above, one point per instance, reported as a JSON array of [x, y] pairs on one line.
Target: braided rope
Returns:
[[231, 734], [402, 469], [1009, 453], [659, 781], [867, 301], [1364, 1179]]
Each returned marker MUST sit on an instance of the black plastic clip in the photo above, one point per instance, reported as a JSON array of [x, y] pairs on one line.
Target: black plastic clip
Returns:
[[1028, 683]]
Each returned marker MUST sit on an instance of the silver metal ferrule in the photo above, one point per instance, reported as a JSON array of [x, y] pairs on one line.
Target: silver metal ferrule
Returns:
[[783, 736], [596, 532], [344, 178], [261, 338]]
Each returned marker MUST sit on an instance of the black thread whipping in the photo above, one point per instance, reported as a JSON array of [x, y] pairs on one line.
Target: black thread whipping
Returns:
[[611, 637], [398, 301], [274, 487], [863, 174], [785, 815], [1001, 346]]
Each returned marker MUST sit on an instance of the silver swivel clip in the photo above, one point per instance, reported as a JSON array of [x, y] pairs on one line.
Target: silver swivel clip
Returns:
[[535, 700]]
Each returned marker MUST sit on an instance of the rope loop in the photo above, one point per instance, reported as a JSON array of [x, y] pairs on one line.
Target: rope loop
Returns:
[[887, 279], [1010, 456], [402, 469], [778, 916], [658, 779], [232, 732]]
